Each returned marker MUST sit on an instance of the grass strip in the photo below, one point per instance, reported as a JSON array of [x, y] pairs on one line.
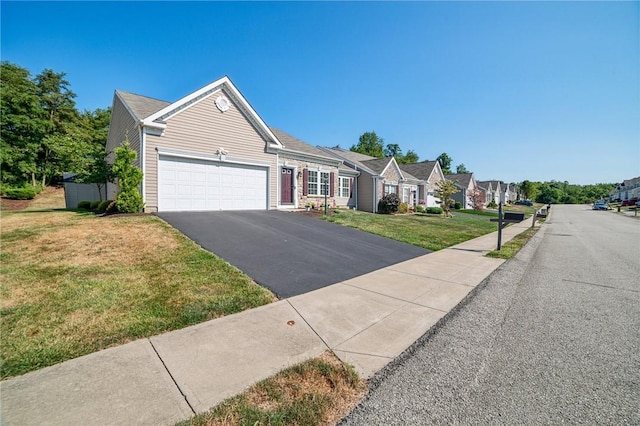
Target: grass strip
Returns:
[[433, 232], [320, 391], [510, 248]]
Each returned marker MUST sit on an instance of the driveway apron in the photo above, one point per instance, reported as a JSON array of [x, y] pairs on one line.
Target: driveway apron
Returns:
[[290, 253]]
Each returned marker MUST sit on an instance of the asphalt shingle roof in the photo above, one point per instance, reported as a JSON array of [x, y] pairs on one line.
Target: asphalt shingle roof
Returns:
[[142, 106], [377, 164], [421, 170], [295, 144], [462, 179]]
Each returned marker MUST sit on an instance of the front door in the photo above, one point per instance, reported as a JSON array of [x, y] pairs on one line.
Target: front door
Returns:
[[286, 186]]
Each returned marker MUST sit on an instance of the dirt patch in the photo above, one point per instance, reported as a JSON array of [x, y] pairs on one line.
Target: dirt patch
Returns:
[[315, 213], [51, 198], [12, 205], [92, 241]]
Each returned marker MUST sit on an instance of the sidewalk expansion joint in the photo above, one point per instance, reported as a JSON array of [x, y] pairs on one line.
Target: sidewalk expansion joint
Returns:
[[374, 323], [366, 354], [412, 302], [309, 325], [171, 375], [431, 278]]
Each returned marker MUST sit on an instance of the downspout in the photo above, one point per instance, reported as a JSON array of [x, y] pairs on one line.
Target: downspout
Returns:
[[375, 194], [143, 166]]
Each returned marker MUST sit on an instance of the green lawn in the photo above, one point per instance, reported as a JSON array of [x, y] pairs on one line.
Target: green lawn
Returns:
[[432, 232], [74, 283]]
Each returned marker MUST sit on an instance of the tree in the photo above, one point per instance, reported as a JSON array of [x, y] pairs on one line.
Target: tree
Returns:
[[56, 101], [393, 150], [444, 190], [410, 157], [476, 197], [528, 189], [22, 125], [93, 168], [445, 163], [370, 144], [461, 168], [129, 177]]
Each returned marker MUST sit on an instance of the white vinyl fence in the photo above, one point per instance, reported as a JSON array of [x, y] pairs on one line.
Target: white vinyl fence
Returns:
[[76, 192]]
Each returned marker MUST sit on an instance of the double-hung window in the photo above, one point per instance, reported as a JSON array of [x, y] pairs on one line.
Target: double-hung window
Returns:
[[390, 189], [344, 187], [318, 183]]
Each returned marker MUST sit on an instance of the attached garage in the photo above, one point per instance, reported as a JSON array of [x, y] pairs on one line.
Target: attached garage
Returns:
[[196, 184]]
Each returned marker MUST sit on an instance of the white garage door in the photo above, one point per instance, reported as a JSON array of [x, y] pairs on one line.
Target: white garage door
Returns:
[[190, 184]]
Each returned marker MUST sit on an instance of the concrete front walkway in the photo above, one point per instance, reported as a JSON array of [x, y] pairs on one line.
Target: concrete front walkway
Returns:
[[367, 321]]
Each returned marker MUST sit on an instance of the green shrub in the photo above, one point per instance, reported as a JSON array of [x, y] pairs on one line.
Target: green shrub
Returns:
[[492, 204], [24, 193], [129, 176], [102, 207], [434, 210], [457, 205], [389, 204], [94, 205], [420, 208], [85, 205], [403, 208]]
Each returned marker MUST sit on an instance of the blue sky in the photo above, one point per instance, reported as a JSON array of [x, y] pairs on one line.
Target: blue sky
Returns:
[[514, 90]]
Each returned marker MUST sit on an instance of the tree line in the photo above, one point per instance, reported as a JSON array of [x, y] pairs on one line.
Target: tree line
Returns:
[[555, 192], [42, 133]]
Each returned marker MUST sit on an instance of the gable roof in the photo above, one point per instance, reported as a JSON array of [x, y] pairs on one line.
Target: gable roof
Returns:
[[462, 179], [348, 155], [140, 107], [378, 165], [157, 118], [489, 184], [421, 170]]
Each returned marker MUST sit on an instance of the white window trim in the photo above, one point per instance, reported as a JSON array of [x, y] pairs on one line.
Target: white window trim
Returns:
[[342, 179], [318, 183]]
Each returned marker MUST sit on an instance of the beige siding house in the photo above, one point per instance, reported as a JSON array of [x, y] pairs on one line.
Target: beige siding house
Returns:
[[466, 184], [429, 172], [378, 177], [210, 150]]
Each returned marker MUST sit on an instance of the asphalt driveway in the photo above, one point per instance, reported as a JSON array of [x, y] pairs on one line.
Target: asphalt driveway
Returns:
[[290, 253]]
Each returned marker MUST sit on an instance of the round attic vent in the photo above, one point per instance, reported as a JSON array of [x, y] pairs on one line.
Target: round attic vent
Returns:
[[222, 103]]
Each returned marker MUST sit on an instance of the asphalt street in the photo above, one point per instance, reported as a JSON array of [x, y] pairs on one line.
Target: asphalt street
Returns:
[[551, 337], [289, 253]]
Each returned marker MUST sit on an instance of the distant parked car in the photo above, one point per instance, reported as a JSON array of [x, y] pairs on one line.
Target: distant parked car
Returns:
[[524, 203], [629, 202], [600, 205]]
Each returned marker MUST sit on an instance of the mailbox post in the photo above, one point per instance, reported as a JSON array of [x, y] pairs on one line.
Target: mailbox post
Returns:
[[500, 223]]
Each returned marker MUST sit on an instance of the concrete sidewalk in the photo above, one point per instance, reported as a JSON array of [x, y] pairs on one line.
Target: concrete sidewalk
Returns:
[[367, 321]]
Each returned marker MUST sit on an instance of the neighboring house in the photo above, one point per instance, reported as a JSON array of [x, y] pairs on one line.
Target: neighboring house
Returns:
[[429, 172], [492, 190], [513, 193], [627, 190], [379, 177], [210, 150], [466, 184]]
